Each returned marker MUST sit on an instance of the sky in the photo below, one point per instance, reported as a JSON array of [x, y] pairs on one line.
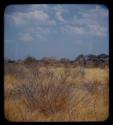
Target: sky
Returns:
[[55, 30]]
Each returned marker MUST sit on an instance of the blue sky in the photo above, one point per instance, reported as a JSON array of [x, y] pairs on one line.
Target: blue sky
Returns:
[[57, 30]]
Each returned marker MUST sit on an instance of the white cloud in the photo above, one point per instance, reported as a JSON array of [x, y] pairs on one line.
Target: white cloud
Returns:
[[44, 30], [72, 29], [59, 16], [38, 32], [59, 12], [97, 12], [94, 16], [90, 22], [27, 37], [97, 7], [97, 30], [39, 21], [39, 36], [58, 8], [94, 30], [37, 16], [38, 7]]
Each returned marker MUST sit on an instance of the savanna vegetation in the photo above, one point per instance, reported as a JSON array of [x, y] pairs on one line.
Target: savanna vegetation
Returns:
[[52, 90]]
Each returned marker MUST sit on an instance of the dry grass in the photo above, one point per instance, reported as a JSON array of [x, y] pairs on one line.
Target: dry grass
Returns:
[[56, 94]]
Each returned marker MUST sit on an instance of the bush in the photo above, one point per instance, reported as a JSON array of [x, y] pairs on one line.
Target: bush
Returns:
[[92, 86], [30, 59], [65, 61], [47, 99]]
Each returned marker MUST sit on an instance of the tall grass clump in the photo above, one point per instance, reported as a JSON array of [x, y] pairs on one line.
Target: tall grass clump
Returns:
[[48, 99]]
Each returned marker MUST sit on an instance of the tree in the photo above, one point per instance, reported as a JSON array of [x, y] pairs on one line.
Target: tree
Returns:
[[65, 61], [49, 60], [30, 59]]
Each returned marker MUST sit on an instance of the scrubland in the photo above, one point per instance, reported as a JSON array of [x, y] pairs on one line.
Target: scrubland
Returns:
[[48, 93]]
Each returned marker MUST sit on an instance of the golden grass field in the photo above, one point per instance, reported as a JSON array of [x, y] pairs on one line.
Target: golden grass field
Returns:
[[56, 93]]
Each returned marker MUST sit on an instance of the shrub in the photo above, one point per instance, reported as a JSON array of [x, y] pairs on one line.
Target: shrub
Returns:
[[47, 99], [92, 86], [30, 60]]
